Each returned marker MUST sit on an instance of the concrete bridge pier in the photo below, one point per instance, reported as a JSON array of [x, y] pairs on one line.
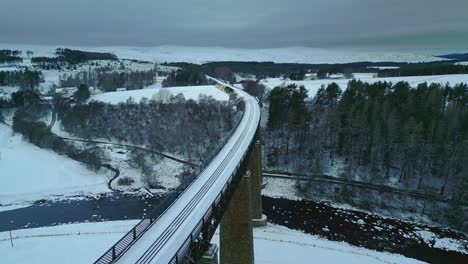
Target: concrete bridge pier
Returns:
[[236, 234], [255, 167]]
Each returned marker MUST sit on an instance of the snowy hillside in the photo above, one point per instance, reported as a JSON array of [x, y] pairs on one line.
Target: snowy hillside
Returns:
[[206, 54], [30, 173]]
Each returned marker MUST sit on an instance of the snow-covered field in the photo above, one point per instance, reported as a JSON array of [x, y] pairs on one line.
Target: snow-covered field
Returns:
[[84, 243], [276, 244], [314, 85], [74, 243], [29, 173], [189, 92], [207, 54]]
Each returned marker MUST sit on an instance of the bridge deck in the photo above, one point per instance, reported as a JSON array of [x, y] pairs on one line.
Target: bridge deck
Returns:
[[162, 241]]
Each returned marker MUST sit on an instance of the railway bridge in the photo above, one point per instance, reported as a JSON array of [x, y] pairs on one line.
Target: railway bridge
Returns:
[[224, 192]]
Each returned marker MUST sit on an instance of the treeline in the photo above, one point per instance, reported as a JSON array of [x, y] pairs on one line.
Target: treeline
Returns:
[[110, 81], [184, 127], [381, 133], [188, 76], [68, 57], [78, 56], [26, 122], [425, 69], [10, 56], [25, 79], [295, 71], [48, 63]]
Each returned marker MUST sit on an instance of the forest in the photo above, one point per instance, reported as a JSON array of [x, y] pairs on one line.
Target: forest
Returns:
[[109, 81], [383, 133], [297, 71], [188, 76], [27, 121], [69, 58], [78, 56], [183, 127], [10, 56], [25, 79]]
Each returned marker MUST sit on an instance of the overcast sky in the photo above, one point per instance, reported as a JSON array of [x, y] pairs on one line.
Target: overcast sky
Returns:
[[235, 23]]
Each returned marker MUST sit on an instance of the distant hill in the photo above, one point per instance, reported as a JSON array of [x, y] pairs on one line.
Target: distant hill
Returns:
[[455, 56]]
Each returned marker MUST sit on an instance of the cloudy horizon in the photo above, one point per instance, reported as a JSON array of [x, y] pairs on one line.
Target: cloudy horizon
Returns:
[[237, 24]]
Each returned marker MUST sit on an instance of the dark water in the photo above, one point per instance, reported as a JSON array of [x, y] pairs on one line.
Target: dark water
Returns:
[[372, 232], [109, 207]]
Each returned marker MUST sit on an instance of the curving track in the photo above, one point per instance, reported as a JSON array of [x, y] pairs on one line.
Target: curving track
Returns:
[[160, 243]]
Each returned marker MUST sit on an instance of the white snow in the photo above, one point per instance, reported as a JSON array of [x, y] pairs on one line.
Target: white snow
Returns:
[[384, 67], [13, 207], [277, 245], [189, 92], [74, 243], [29, 173], [206, 54], [441, 242], [7, 91], [166, 172], [314, 85], [280, 188], [84, 243]]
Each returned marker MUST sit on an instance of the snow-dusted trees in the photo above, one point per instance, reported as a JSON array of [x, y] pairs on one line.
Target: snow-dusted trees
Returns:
[[26, 121], [185, 77], [26, 80], [184, 127], [82, 94], [110, 81], [254, 88], [382, 133]]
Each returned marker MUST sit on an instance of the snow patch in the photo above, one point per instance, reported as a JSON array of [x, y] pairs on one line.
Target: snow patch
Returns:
[[189, 92], [441, 242]]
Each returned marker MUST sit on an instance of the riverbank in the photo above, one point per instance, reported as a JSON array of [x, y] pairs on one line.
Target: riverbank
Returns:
[[422, 242]]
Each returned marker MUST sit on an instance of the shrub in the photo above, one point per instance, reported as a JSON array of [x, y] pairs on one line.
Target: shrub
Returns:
[[125, 181]]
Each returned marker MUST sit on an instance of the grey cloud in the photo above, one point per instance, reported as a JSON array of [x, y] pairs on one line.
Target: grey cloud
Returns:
[[241, 23]]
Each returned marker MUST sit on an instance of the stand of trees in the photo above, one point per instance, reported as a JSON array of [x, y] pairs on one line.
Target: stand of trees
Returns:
[[110, 81], [297, 76], [38, 133], [78, 56], [184, 127], [82, 94], [49, 63], [254, 88], [26, 80], [382, 133], [10, 56], [420, 69], [294, 70], [68, 57], [186, 77]]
